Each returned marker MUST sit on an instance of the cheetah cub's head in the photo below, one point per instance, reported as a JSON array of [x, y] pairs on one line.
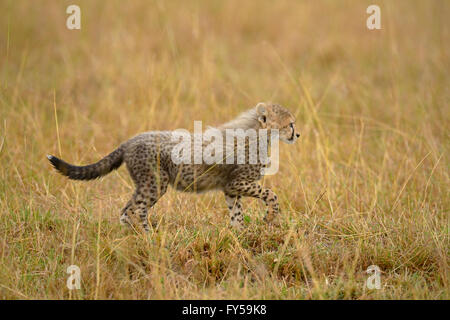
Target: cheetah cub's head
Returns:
[[274, 116]]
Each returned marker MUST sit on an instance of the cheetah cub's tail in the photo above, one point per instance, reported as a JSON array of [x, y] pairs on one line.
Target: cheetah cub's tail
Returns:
[[91, 171]]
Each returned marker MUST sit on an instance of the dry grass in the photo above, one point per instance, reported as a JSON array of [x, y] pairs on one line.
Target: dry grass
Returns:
[[368, 183]]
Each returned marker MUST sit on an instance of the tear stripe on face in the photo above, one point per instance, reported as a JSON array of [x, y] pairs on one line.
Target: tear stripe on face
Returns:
[[288, 141]]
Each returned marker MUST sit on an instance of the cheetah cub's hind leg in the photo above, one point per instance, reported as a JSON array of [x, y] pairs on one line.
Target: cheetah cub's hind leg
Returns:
[[126, 213], [149, 189]]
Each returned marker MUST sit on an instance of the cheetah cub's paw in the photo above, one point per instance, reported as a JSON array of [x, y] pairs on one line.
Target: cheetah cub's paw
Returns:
[[236, 225]]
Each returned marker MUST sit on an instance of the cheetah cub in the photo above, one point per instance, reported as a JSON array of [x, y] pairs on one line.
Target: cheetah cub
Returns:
[[151, 163]]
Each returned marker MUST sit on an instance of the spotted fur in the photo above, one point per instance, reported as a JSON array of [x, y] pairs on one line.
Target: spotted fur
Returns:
[[148, 160]]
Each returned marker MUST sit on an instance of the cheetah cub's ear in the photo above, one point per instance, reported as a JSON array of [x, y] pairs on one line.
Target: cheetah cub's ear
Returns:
[[261, 110]]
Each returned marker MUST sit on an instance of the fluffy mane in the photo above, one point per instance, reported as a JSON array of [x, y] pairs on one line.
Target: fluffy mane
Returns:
[[246, 120]]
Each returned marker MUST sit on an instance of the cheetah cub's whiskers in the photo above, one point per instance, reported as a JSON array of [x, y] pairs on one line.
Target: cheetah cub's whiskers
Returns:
[[149, 160]]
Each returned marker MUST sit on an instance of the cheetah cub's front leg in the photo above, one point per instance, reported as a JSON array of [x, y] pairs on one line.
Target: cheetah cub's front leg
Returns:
[[235, 207], [237, 189]]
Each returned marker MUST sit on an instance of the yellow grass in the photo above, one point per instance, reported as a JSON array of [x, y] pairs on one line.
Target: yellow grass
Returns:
[[367, 183]]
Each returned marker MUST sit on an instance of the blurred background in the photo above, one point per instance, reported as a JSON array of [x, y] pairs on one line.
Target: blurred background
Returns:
[[367, 183]]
